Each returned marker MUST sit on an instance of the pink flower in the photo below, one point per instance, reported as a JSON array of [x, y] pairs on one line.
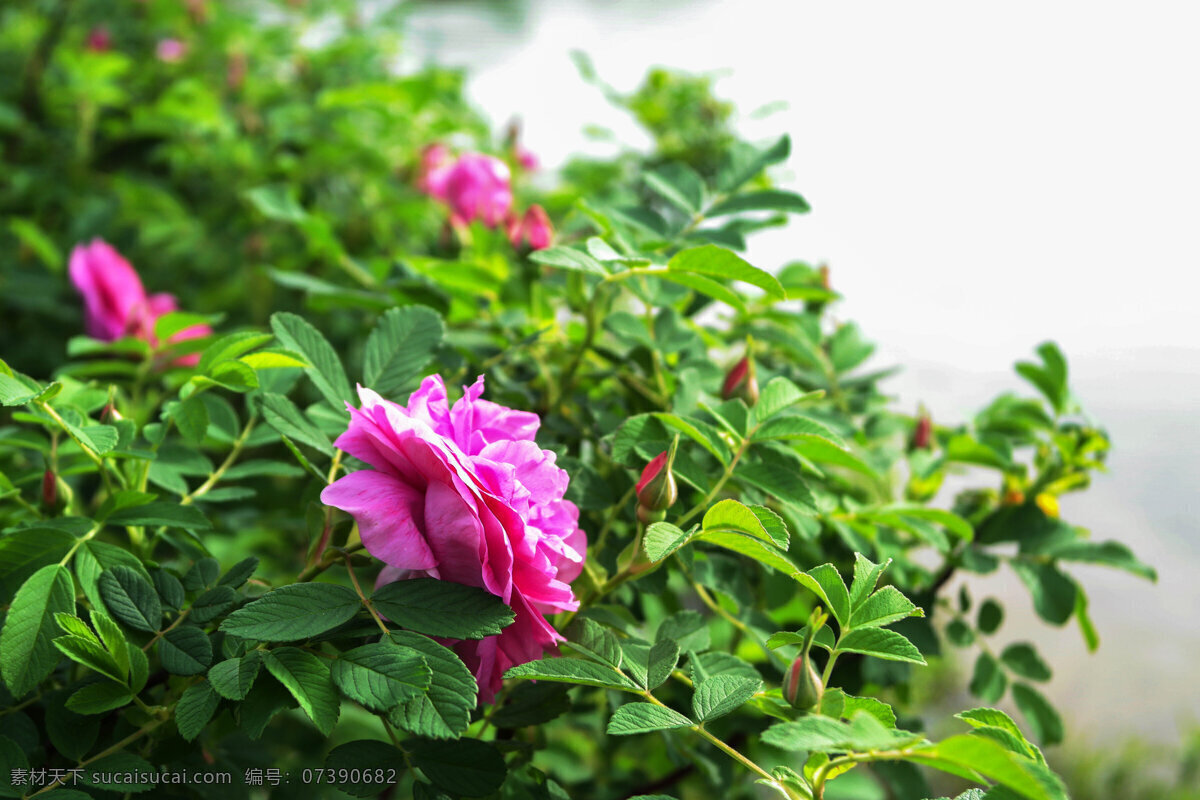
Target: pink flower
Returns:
[[533, 228], [98, 39], [464, 494], [526, 158], [475, 186], [170, 50], [115, 302]]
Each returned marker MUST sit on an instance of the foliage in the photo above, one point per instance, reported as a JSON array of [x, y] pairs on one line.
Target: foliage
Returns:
[[173, 587]]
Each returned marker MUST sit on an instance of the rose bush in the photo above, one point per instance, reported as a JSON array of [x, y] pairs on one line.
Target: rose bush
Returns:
[[773, 553]]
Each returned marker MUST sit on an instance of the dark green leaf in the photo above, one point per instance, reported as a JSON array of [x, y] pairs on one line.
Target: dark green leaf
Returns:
[[26, 653], [194, 709], [131, 598], [294, 612], [465, 768], [185, 651], [444, 710], [326, 372], [722, 694], [374, 761], [381, 676], [442, 608], [399, 347], [307, 678]]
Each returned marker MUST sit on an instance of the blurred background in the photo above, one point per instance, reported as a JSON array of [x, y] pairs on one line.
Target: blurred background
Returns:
[[978, 175]]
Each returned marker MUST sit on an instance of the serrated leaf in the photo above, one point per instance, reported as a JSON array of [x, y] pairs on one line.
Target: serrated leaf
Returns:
[[212, 604], [185, 651], [90, 654], [634, 718], [194, 709], [883, 608], [442, 608], [761, 200], [99, 698], [1044, 721], [161, 513], [444, 710], [381, 676], [399, 347], [722, 694], [307, 678], [294, 612], [568, 258], [282, 415], [663, 656], [573, 670], [866, 576], [837, 597], [661, 539], [131, 598], [326, 372], [26, 652], [880, 643], [718, 262], [594, 641], [234, 677]]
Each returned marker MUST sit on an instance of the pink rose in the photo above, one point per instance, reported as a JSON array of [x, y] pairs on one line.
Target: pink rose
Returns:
[[475, 186], [170, 50], [115, 302], [533, 228], [464, 494]]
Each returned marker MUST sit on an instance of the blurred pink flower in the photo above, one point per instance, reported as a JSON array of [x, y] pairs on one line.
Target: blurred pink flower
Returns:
[[474, 186], [115, 302], [526, 158], [463, 494], [533, 228], [170, 50], [98, 39]]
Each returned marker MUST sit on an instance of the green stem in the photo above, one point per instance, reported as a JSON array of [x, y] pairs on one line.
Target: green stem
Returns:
[[220, 471], [92, 455], [146, 647], [365, 600], [79, 543], [708, 498]]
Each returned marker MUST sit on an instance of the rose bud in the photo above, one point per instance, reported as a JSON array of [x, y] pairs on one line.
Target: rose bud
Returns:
[[533, 228], [923, 433], [802, 686], [741, 382], [657, 490], [99, 40], [49, 489]]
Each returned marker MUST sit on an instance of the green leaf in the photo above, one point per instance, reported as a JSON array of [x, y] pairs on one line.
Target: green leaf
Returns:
[[368, 759], [730, 515], [883, 608], [444, 711], [779, 477], [991, 615], [573, 670], [131, 598], [71, 734], [185, 651], [99, 698], [661, 539], [1022, 659], [880, 643], [194, 709], [644, 717], [212, 604], [683, 198], [294, 612], [686, 627], [568, 258], [139, 667], [837, 598], [991, 721], [594, 641], [967, 755], [128, 773], [876, 708], [326, 372], [442, 608], [465, 768], [722, 694], [1112, 554], [766, 554], [240, 572], [988, 681], [282, 415], [947, 519], [866, 576], [664, 655], [91, 655], [276, 201], [743, 162], [233, 677], [191, 417], [793, 427], [1053, 592], [399, 347], [1044, 721], [814, 734], [763, 200], [20, 390], [706, 286], [721, 263], [26, 652], [779, 394], [307, 678], [161, 513], [382, 675]]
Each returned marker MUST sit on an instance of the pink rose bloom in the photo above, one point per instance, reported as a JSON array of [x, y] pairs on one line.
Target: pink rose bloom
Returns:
[[533, 228], [464, 494], [115, 302], [170, 50], [475, 186]]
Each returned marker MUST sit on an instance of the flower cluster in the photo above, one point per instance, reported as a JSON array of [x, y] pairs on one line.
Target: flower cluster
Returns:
[[115, 302], [463, 494], [479, 187]]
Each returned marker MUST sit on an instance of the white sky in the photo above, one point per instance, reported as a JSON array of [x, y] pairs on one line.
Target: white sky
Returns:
[[983, 176]]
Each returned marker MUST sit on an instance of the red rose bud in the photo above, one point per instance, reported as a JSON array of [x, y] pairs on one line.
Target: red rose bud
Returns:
[[99, 40], [657, 490], [923, 433], [49, 489], [802, 686], [741, 382], [533, 228]]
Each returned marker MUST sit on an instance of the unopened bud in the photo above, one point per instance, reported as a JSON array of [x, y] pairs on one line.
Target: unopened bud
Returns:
[[657, 490], [49, 489], [802, 686], [741, 382], [923, 432], [110, 414]]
